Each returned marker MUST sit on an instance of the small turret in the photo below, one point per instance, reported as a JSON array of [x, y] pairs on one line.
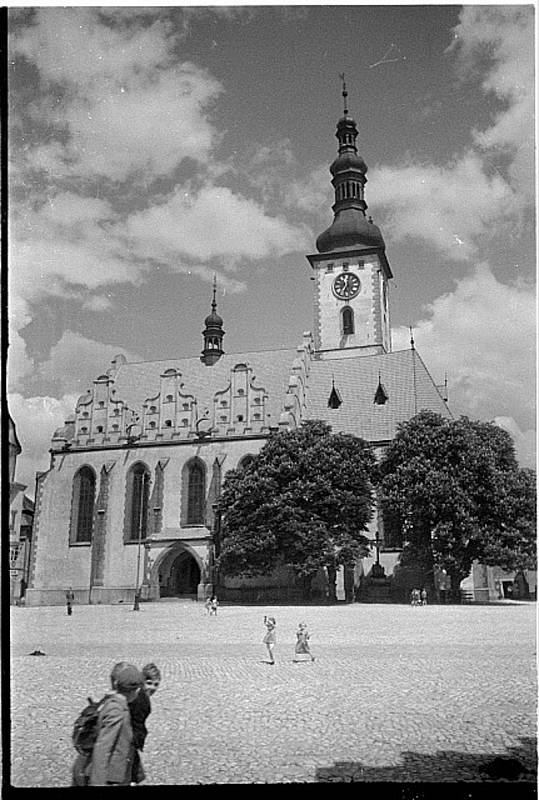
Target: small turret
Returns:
[[213, 334]]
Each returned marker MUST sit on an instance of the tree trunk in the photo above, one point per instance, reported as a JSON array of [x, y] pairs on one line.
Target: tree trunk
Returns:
[[332, 584], [454, 593], [306, 587]]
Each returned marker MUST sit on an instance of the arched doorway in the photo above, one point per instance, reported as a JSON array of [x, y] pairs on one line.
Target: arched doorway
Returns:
[[179, 575]]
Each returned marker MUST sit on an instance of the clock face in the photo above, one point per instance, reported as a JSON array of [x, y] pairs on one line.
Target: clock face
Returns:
[[346, 285]]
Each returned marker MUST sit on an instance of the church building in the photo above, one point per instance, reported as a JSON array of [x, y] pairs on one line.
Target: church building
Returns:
[[130, 503]]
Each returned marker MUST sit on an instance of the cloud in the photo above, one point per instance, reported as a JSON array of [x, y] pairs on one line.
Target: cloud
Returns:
[[525, 441], [216, 223], [503, 36], [75, 361], [104, 87], [482, 336], [429, 203], [36, 419]]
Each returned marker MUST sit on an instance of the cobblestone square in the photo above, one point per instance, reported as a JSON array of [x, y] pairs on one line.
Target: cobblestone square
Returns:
[[396, 693]]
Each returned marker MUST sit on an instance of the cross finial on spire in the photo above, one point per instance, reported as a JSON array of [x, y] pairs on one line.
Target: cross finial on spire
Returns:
[[412, 343], [344, 93], [213, 303]]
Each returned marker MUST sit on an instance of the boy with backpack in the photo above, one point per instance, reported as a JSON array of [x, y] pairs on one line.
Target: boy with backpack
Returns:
[[103, 735]]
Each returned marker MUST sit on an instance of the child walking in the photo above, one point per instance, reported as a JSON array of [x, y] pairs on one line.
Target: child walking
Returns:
[[269, 638], [114, 749], [302, 643], [140, 709], [214, 603]]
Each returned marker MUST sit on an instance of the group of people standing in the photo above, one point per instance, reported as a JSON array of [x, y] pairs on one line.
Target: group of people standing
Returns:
[[418, 597], [302, 640], [121, 729]]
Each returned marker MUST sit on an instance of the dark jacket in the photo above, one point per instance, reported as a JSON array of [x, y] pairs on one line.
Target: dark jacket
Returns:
[[114, 750], [140, 709]]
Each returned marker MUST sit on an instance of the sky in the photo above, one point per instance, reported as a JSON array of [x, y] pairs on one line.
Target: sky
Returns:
[[152, 149]]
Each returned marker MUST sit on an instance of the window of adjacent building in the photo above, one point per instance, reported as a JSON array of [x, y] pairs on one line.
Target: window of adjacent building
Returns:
[[168, 423], [196, 479], [347, 321], [169, 398], [82, 509], [138, 490], [100, 429]]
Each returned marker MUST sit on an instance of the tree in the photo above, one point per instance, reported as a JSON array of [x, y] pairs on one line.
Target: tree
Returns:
[[453, 491], [302, 502]]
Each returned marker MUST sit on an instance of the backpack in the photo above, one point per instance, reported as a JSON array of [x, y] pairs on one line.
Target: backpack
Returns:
[[85, 727]]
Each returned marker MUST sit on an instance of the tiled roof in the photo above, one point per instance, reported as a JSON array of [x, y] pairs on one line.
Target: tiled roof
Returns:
[[135, 382], [356, 380]]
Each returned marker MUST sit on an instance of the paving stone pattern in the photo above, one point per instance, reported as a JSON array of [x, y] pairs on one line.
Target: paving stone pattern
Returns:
[[396, 693]]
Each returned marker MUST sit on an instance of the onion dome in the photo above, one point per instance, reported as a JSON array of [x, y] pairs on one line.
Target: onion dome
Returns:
[[350, 227]]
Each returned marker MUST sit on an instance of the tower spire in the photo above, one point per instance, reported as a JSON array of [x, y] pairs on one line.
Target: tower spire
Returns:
[[213, 333], [344, 94], [350, 226]]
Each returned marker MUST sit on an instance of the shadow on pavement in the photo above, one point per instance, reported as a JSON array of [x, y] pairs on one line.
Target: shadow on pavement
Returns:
[[516, 765]]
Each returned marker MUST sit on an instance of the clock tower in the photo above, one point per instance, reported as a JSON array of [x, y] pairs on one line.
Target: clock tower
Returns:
[[351, 270]]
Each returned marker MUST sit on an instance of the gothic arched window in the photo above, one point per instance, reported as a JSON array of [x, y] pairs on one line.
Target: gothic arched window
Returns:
[[196, 491], [136, 512], [347, 321], [82, 509], [245, 461]]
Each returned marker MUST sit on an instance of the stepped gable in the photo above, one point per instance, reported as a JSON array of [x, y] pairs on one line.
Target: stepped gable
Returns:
[[136, 382], [357, 379]]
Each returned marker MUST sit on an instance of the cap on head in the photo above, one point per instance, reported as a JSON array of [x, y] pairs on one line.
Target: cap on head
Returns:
[[129, 678]]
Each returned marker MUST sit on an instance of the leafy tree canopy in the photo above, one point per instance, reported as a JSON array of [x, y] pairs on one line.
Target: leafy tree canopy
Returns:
[[454, 492], [304, 501]]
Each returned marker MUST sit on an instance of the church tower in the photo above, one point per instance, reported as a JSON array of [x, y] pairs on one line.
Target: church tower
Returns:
[[213, 334], [351, 271]]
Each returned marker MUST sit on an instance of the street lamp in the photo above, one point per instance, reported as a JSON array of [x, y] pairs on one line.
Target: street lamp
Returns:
[[216, 508], [143, 484]]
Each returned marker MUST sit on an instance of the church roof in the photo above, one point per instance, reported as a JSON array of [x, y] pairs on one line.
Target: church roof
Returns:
[[135, 382], [406, 380], [357, 378]]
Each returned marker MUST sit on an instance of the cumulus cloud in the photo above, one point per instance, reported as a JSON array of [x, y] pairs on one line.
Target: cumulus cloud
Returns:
[[482, 336], [213, 223], [503, 35], [36, 419], [75, 361], [431, 203]]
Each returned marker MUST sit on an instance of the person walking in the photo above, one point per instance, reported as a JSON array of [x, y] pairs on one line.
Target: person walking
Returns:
[[270, 639], [140, 708], [302, 643], [70, 597], [423, 597], [214, 604], [114, 748]]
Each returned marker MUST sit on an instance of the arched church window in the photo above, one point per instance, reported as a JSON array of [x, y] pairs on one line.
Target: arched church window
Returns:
[[137, 497], [196, 480], [82, 508], [347, 321], [245, 461]]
